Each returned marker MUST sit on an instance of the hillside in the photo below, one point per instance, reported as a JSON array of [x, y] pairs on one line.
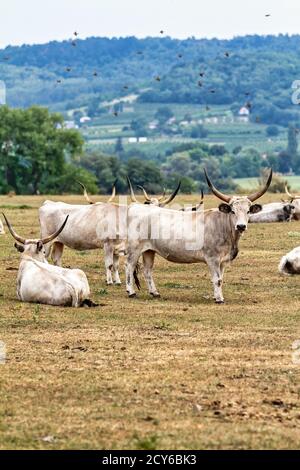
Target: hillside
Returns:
[[255, 70]]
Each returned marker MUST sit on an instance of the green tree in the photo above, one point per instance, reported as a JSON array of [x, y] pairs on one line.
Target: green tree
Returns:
[[34, 149]]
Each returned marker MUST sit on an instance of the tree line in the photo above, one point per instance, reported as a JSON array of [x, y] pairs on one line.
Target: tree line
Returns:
[[38, 154]]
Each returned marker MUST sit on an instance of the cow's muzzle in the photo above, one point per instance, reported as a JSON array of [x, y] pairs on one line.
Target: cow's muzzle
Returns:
[[241, 227]]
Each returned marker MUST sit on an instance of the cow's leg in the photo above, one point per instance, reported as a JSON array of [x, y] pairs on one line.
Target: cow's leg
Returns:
[[56, 254], [216, 272], [117, 279], [109, 261], [130, 268], [148, 260]]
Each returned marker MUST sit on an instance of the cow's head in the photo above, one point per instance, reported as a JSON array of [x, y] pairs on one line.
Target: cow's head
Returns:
[[295, 200], [161, 201], [239, 207], [34, 248]]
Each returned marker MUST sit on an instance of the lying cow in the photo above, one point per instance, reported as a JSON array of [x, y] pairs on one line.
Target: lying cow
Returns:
[[290, 263], [40, 282], [209, 236], [274, 212], [295, 200]]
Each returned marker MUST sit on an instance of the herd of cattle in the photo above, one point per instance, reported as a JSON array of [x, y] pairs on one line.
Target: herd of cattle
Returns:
[[181, 235]]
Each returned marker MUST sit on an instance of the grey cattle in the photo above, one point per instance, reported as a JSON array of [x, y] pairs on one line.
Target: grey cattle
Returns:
[[43, 283], [274, 212], [219, 230]]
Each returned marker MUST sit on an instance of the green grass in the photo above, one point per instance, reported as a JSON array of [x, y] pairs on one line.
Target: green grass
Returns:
[[251, 183]]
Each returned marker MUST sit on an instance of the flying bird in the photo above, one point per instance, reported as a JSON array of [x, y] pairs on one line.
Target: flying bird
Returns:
[[267, 15], [161, 32], [125, 87], [140, 52], [95, 74], [75, 33], [226, 54], [212, 91], [68, 69], [179, 56], [58, 81], [157, 79], [201, 74]]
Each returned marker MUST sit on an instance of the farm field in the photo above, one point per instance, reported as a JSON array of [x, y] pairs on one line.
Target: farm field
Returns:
[[250, 183], [104, 130], [177, 372]]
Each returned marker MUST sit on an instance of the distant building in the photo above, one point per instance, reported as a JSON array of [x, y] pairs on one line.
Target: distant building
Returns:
[[243, 114], [142, 140], [85, 119], [132, 140], [70, 125], [244, 111]]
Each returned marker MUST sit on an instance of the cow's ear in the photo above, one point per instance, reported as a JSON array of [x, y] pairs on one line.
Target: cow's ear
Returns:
[[39, 246], [255, 208], [225, 208], [20, 248]]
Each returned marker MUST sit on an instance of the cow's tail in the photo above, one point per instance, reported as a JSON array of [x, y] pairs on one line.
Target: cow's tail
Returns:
[[135, 275], [286, 266]]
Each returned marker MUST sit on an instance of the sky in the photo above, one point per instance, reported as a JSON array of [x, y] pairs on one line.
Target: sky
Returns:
[[40, 21]]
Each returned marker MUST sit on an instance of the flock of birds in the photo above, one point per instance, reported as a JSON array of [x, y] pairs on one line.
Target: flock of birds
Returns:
[[157, 78]]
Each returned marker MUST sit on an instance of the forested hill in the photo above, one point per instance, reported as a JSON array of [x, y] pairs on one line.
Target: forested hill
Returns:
[[71, 74]]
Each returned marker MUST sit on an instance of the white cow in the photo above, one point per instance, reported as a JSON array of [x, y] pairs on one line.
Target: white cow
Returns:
[[274, 212], [290, 263], [98, 225], [187, 237], [40, 282], [295, 200]]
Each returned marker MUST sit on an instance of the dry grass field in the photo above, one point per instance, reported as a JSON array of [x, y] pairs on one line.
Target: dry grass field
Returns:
[[177, 372]]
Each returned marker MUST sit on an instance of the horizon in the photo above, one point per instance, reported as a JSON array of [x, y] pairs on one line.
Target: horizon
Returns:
[[33, 23], [151, 37]]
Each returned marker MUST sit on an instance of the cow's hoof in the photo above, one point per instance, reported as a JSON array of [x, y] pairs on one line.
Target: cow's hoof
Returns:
[[219, 302], [155, 295], [109, 283], [132, 296]]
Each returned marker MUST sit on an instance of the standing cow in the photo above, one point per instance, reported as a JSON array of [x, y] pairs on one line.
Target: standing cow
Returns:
[[40, 282], [219, 230]]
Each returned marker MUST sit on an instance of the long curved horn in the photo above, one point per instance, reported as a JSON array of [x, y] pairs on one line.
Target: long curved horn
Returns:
[[13, 233], [85, 193], [217, 193], [262, 191], [132, 195], [113, 194], [145, 193], [161, 197], [287, 192], [55, 234], [171, 197]]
